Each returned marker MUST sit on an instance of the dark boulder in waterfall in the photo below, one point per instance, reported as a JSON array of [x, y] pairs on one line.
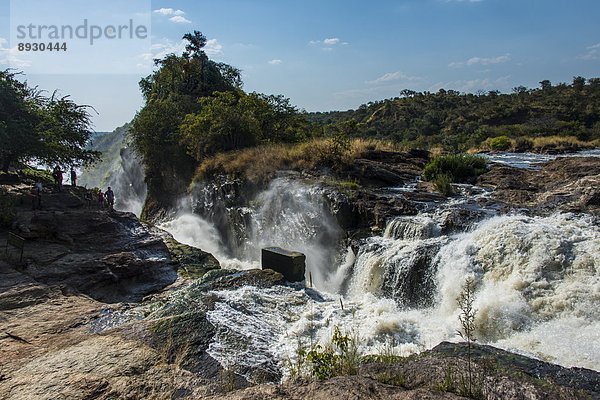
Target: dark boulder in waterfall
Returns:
[[291, 264]]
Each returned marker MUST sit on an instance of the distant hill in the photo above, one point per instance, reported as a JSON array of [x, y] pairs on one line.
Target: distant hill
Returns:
[[463, 120], [110, 144]]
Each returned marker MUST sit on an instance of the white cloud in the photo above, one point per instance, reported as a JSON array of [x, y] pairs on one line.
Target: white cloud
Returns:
[[169, 11], [213, 47], [328, 43], [10, 56], [480, 61], [176, 16], [473, 85], [593, 53], [394, 76], [178, 19], [331, 41], [275, 62]]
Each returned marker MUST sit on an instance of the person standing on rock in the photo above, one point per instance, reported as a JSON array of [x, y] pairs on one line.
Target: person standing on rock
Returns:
[[73, 177], [110, 198], [58, 177], [100, 198]]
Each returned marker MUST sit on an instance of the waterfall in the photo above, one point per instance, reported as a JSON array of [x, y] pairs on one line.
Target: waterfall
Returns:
[[537, 285], [289, 214], [295, 216]]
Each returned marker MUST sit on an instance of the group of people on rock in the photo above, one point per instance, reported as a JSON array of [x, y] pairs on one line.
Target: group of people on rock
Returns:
[[104, 199], [57, 174]]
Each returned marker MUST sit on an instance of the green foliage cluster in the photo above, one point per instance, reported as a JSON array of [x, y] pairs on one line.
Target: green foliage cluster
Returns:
[[459, 121], [443, 184], [33, 127], [499, 143], [340, 357], [195, 107], [455, 168], [234, 120]]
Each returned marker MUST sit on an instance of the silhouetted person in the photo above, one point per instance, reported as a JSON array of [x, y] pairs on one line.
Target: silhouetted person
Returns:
[[110, 198], [100, 198], [36, 196], [57, 174], [73, 177]]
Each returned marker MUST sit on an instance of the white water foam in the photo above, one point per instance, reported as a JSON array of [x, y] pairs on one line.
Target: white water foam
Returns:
[[538, 284]]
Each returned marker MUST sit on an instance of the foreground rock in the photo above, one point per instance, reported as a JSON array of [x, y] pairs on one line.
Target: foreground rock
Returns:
[[442, 373]]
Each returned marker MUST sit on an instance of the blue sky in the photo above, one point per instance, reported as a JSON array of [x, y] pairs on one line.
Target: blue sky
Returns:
[[336, 54]]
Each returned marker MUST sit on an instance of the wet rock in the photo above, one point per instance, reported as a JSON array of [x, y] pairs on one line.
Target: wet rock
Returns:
[[566, 184], [291, 264], [193, 262], [111, 257]]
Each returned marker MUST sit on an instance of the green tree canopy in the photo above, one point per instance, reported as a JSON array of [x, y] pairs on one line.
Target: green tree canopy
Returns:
[[234, 120], [37, 128]]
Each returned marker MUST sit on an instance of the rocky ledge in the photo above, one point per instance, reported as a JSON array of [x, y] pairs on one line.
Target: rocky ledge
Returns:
[[570, 184]]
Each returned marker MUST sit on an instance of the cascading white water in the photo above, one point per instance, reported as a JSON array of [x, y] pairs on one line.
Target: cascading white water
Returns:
[[538, 281], [295, 216]]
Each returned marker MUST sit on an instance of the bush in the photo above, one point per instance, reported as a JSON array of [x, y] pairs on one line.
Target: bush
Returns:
[[522, 144], [499, 143], [443, 184], [340, 357], [457, 167]]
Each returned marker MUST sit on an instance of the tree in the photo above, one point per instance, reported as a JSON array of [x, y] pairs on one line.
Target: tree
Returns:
[[171, 92], [226, 121], [36, 128]]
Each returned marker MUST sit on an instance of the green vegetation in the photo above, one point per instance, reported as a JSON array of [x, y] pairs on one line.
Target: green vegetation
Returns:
[[197, 122], [33, 175], [467, 332], [443, 184], [340, 357], [454, 168], [33, 127], [501, 143], [460, 121]]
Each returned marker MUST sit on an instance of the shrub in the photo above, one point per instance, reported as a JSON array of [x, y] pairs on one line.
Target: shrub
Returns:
[[522, 144], [458, 167], [34, 175], [443, 184], [499, 143], [339, 357]]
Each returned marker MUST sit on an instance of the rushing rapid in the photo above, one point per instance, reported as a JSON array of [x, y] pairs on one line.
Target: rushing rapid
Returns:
[[537, 283]]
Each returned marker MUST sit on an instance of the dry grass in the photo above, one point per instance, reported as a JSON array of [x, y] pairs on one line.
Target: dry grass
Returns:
[[564, 143], [259, 164], [544, 144]]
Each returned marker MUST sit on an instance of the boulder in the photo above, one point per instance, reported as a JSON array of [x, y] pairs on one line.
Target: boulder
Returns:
[[291, 264]]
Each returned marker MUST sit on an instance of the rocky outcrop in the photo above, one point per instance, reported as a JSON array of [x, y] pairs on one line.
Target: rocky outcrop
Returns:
[[109, 256], [442, 373], [565, 184]]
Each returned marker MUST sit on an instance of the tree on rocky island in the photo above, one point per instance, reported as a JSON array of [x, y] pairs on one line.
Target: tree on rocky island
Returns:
[[34, 127]]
